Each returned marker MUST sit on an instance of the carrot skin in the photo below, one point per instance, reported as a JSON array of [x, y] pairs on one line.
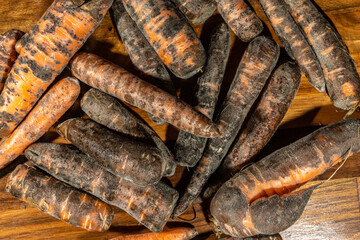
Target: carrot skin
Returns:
[[189, 148], [169, 34], [278, 176], [150, 206], [240, 18], [294, 41], [109, 112], [254, 69], [59, 199], [47, 111], [114, 80], [196, 11], [273, 104], [341, 76], [179, 233]]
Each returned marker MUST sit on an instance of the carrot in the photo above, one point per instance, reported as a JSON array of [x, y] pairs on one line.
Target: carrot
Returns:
[[341, 76], [8, 53], [150, 206], [47, 111], [169, 34], [45, 50], [255, 67], [179, 233], [114, 80], [240, 18], [133, 160], [141, 53], [59, 199], [196, 11], [257, 237], [294, 41], [264, 198], [271, 108], [189, 148], [109, 112]]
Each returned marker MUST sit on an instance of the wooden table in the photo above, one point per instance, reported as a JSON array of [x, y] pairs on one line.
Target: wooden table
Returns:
[[333, 211]]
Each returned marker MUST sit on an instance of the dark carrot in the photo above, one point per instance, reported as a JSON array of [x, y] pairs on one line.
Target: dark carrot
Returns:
[[294, 41], [241, 18], [179, 233], [133, 160], [109, 112], [271, 108], [8, 53], [150, 206], [47, 111], [189, 148], [341, 76], [257, 237], [45, 50], [196, 11], [169, 34], [59, 199], [264, 198], [114, 80], [254, 69]]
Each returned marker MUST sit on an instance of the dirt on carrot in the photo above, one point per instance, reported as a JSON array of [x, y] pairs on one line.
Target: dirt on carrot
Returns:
[[196, 11]]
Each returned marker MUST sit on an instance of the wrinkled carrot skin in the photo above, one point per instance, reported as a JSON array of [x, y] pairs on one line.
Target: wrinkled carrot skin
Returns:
[[294, 41], [278, 174], [114, 80], [254, 69], [8, 53], [109, 112], [180, 233], [59, 199], [189, 148], [45, 50], [240, 18], [196, 11], [272, 106], [131, 159], [169, 34], [46, 112], [150, 206], [341, 76]]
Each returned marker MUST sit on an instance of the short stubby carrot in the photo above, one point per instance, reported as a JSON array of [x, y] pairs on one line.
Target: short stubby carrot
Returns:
[[169, 34], [179, 233], [196, 11], [8, 53], [241, 18], [255, 67], [265, 199], [47, 111], [116, 81], [45, 50], [341, 76], [294, 41], [59, 199]]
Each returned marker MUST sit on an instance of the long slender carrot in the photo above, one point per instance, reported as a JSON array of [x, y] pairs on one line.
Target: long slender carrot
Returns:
[[45, 50], [196, 11], [180, 233], [169, 34], [241, 18], [46, 112], [271, 108], [264, 198], [59, 199], [294, 41], [341, 76], [150, 206], [114, 80], [189, 148], [8, 53], [254, 69]]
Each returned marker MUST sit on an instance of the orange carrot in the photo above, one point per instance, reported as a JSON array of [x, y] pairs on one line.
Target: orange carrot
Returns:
[[44, 52], [48, 110], [180, 233]]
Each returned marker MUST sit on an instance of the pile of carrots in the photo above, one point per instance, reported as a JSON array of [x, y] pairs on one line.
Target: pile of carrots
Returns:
[[117, 159]]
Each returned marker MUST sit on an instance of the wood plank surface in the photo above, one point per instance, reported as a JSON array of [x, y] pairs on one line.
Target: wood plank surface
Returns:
[[333, 211]]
